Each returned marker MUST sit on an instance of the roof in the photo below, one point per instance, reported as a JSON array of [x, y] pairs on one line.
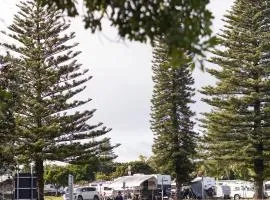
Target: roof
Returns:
[[131, 181]]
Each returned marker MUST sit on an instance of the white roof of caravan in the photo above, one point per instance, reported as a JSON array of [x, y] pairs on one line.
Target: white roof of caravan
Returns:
[[130, 181], [235, 182]]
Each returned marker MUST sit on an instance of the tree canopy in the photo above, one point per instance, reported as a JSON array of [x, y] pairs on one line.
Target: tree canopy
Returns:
[[171, 116], [183, 23], [7, 130], [237, 128], [42, 70]]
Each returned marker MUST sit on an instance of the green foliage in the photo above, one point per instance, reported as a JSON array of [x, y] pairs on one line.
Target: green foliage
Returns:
[[142, 158], [58, 175], [225, 170], [174, 141], [84, 172], [237, 128], [7, 130], [140, 167], [42, 70], [121, 169], [53, 198], [184, 23], [102, 176], [96, 170]]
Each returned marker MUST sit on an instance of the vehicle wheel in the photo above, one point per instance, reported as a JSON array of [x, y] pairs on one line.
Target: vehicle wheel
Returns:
[[236, 197], [80, 198], [96, 198]]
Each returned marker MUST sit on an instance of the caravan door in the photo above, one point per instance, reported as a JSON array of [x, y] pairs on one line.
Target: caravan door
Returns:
[[248, 191]]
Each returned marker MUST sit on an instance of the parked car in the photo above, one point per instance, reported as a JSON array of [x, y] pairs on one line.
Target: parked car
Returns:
[[86, 193], [50, 189], [66, 194]]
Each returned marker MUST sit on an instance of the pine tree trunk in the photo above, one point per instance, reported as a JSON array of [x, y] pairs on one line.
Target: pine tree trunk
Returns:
[[178, 189], [259, 168], [179, 182], [39, 168], [258, 162]]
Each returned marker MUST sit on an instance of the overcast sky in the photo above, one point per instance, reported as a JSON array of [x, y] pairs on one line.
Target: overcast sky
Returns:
[[121, 87]]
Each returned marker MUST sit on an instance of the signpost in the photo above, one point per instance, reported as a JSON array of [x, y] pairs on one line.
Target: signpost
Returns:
[[162, 187], [70, 186]]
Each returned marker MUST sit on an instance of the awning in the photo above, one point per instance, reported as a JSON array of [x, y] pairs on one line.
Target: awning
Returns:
[[125, 182]]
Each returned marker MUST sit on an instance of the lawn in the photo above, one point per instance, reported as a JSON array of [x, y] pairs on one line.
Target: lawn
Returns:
[[53, 198]]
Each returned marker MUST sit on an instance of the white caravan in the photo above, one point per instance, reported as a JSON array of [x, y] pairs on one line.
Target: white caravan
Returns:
[[267, 188], [239, 189]]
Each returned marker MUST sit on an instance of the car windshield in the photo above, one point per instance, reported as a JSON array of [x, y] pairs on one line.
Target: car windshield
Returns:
[[77, 189], [107, 188]]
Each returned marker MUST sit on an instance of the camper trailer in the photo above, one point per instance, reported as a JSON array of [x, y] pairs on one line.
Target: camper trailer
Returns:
[[207, 187]]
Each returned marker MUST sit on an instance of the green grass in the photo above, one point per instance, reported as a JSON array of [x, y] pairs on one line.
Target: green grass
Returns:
[[53, 198]]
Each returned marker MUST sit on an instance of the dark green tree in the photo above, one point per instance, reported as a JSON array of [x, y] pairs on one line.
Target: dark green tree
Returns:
[[7, 130], [238, 127], [42, 65], [183, 22], [56, 175], [174, 141], [7, 124]]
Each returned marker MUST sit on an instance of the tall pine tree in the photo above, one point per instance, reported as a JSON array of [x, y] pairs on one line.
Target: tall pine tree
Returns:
[[7, 125], [238, 127], [7, 131], [42, 65], [174, 141]]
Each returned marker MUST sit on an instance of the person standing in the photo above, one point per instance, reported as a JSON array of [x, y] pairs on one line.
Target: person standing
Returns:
[[119, 196]]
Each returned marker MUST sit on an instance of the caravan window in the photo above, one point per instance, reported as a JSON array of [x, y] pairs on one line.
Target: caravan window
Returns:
[[267, 187]]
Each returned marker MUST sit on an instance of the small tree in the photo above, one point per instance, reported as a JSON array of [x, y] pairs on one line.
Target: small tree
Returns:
[[41, 63]]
